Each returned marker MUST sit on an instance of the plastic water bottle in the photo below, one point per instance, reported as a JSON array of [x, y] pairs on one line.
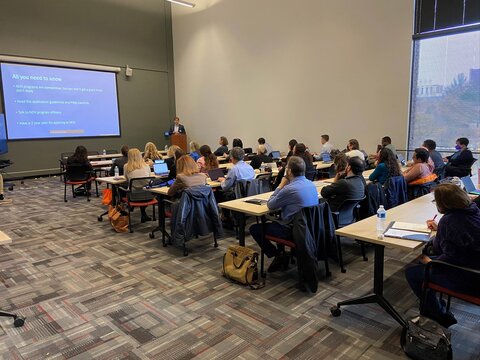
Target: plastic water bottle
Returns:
[[104, 152], [381, 220], [117, 172], [166, 147]]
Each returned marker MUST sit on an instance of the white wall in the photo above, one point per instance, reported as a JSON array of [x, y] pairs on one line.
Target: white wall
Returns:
[[286, 69]]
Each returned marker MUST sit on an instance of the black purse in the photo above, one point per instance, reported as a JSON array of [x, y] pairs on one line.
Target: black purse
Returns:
[[425, 339]]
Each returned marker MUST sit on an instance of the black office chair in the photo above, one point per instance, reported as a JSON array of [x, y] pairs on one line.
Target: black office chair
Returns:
[[63, 163], [347, 214], [79, 176], [311, 174], [137, 196]]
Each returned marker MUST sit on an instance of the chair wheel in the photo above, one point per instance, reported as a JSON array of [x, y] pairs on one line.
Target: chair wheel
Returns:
[[185, 253], [365, 258], [151, 235], [19, 321], [343, 271], [335, 311], [10, 188], [88, 199], [65, 200], [100, 218]]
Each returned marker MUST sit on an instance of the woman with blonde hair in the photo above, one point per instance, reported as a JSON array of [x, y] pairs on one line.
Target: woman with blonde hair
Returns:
[[151, 153], [174, 152], [194, 150], [136, 167], [208, 161], [188, 175]]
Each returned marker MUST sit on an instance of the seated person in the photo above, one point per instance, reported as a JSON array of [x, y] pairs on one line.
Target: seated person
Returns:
[[291, 146], [260, 158], [387, 167], [353, 149], [207, 161], [456, 242], [188, 176], [349, 185], [237, 143], [420, 172], [436, 157], [151, 154], [80, 158], [326, 147], [120, 162], [387, 143], [223, 148], [340, 162], [293, 194], [240, 170], [301, 150], [460, 163], [268, 147], [136, 167], [174, 152], [194, 150]]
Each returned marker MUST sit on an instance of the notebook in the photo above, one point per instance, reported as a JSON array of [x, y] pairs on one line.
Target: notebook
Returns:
[[214, 174], [160, 168], [408, 231], [276, 155], [256, 201], [326, 158], [469, 186]]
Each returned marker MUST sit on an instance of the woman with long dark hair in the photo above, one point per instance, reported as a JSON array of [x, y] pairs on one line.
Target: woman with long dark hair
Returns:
[[208, 161], [387, 167]]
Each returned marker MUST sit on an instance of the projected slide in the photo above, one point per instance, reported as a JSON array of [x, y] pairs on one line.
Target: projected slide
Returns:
[[50, 102]]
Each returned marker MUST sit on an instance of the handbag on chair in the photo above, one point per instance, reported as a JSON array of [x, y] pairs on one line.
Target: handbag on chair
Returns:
[[118, 218], [240, 264], [107, 196]]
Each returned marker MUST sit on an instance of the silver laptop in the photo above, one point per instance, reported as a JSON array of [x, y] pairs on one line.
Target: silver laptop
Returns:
[[160, 168]]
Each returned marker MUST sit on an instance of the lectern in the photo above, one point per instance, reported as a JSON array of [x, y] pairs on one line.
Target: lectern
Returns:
[[180, 140]]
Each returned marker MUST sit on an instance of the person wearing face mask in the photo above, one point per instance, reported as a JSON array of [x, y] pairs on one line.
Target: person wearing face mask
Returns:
[[294, 193], [460, 163]]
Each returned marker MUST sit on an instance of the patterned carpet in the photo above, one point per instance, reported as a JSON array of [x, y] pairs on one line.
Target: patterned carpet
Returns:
[[90, 293]]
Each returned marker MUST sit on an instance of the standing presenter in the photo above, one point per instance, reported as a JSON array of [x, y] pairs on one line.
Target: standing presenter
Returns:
[[177, 128]]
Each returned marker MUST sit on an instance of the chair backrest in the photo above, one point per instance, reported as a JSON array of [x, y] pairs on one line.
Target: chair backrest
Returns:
[[77, 172], [347, 213], [260, 185], [395, 191], [415, 191], [440, 172], [375, 196], [137, 192], [64, 156], [311, 173]]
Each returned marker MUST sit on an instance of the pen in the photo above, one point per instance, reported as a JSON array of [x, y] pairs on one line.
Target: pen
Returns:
[[434, 217]]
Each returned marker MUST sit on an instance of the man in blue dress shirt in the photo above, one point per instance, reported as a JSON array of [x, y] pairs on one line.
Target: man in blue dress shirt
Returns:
[[240, 170], [294, 193]]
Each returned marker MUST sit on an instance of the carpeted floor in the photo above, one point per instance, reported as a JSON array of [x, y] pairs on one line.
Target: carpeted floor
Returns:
[[90, 293]]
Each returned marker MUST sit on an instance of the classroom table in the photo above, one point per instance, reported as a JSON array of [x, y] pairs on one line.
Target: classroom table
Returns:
[[415, 211], [243, 208], [104, 156]]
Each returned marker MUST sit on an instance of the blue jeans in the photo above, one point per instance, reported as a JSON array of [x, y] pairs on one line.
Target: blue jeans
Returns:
[[273, 229]]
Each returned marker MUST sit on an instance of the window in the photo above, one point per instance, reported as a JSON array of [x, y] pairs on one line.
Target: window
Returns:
[[445, 96]]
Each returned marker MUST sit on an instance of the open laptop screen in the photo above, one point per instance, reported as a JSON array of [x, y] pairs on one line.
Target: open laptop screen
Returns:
[[160, 168]]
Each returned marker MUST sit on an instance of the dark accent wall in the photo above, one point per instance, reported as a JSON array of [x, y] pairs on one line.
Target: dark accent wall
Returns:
[[104, 32]]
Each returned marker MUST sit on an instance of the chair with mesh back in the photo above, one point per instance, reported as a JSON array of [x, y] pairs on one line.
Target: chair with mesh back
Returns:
[[78, 176], [137, 196], [347, 214], [63, 163]]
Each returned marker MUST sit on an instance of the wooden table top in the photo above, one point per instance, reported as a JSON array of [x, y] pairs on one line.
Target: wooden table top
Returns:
[[240, 205], [4, 239], [416, 211], [164, 189], [322, 165]]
